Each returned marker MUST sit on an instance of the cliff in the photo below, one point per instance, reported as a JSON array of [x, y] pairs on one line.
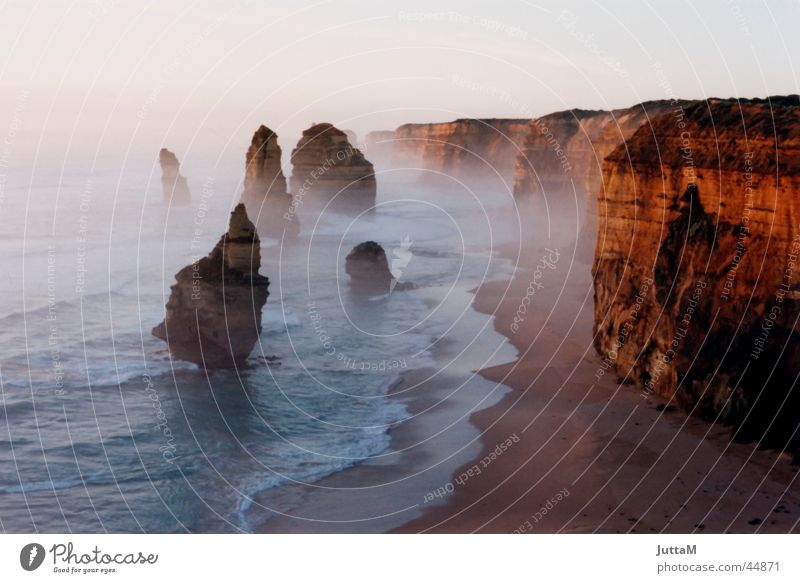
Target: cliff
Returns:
[[696, 275], [175, 187], [463, 149], [568, 147], [265, 187], [213, 316], [328, 167]]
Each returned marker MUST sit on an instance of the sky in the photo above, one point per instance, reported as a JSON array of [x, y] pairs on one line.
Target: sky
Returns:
[[210, 71]]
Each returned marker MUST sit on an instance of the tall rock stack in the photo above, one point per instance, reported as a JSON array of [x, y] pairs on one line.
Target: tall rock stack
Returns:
[[175, 187], [697, 278], [263, 174], [265, 187], [213, 316], [328, 167]]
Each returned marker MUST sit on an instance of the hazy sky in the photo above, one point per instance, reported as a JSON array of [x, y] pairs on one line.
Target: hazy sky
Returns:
[[185, 72]]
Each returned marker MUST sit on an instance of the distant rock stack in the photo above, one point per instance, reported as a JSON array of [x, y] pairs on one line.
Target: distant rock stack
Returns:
[[213, 316], [327, 166], [368, 268], [265, 187], [176, 189], [263, 174]]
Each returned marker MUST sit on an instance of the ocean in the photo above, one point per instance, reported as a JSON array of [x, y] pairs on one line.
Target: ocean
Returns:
[[104, 432]]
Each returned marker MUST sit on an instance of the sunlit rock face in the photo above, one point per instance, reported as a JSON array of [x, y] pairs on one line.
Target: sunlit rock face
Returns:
[[326, 166], [263, 173], [463, 150], [213, 316], [697, 280], [265, 191], [174, 185], [566, 149]]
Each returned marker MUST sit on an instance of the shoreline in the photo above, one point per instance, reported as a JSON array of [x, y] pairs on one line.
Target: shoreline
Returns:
[[594, 456], [386, 491]]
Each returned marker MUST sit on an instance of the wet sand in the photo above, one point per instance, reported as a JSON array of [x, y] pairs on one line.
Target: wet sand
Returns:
[[594, 455]]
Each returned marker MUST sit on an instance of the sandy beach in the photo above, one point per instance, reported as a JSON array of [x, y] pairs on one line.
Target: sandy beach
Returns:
[[569, 450]]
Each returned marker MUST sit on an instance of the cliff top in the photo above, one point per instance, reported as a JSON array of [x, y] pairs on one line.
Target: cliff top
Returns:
[[716, 133]]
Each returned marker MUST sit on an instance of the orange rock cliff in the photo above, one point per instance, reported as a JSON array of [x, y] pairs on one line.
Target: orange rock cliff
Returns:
[[697, 280]]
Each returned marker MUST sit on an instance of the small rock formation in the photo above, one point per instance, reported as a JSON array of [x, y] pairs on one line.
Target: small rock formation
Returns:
[[176, 189], [265, 187], [213, 316], [697, 279], [466, 149], [368, 268], [327, 166]]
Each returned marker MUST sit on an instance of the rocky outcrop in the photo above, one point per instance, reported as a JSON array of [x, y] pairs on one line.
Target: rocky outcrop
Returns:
[[327, 167], [568, 147], [368, 268], [263, 174], [697, 280], [175, 187], [213, 316], [465, 149], [271, 206]]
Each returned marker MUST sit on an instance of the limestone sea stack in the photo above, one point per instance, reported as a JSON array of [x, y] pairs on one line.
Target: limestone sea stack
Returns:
[[263, 173], [213, 316], [368, 268], [326, 166], [265, 191], [174, 185], [697, 279], [464, 149]]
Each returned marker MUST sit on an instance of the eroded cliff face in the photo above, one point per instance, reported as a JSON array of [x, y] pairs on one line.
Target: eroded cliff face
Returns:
[[265, 187], [174, 185], [326, 166], [697, 280], [463, 149], [568, 147], [213, 316]]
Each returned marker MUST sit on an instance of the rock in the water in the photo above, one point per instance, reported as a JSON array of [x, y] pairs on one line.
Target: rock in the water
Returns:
[[213, 316], [176, 189], [368, 268], [263, 173], [265, 187], [327, 166]]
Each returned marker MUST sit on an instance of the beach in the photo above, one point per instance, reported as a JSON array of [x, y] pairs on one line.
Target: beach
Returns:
[[594, 455]]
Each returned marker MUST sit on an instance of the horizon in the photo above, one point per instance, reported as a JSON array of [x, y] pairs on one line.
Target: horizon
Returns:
[[205, 73]]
